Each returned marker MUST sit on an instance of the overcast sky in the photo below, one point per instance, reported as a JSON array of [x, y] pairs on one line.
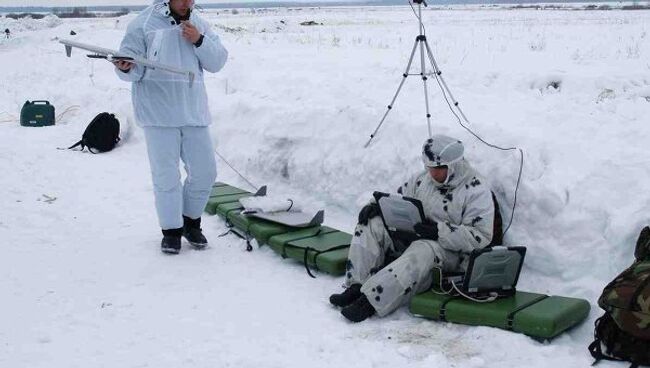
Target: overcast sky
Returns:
[[71, 2], [91, 2]]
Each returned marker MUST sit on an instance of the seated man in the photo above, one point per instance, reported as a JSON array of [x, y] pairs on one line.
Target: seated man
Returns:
[[459, 214]]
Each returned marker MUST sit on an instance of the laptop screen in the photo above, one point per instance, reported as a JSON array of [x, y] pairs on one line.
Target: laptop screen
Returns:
[[494, 269], [399, 213]]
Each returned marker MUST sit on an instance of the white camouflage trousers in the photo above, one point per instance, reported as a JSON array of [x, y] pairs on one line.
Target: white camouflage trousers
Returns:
[[166, 146], [387, 287]]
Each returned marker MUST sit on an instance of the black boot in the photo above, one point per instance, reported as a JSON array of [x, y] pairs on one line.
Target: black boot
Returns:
[[347, 297], [192, 232], [359, 310], [171, 241]]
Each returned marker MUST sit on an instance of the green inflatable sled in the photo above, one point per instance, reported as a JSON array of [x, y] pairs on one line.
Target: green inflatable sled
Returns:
[[318, 247], [325, 249], [537, 315]]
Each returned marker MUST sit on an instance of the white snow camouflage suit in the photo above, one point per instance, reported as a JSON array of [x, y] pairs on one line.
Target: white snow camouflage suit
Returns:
[[174, 115], [464, 211]]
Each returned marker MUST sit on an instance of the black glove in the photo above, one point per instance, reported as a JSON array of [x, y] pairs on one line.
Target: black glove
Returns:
[[369, 211], [427, 230]]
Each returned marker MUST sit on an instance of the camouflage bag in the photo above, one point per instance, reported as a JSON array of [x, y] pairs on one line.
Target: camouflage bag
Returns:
[[624, 330]]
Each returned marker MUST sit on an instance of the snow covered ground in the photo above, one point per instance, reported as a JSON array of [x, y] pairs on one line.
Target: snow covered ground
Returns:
[[83, 282]]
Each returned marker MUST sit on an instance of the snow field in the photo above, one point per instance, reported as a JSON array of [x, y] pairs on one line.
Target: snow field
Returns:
[[292, 109]]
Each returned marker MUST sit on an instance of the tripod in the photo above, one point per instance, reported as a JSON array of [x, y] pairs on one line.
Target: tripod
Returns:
[[424, 48], [422, 44]]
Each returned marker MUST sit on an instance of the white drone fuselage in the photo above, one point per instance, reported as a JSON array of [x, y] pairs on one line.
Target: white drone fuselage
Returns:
[[113, 55]]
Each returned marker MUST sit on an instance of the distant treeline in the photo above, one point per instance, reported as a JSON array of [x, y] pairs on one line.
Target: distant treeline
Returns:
[[635, 7], [76, 12], [83, 12], [116, 11], [25, 15], [587, 7]]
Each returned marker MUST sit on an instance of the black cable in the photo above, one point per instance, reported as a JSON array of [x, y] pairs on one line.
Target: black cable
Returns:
[[235, 170], [417, 16], [437, 73], [521, 152]]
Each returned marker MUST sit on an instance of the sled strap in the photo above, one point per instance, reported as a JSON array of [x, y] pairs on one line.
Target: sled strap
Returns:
[[443, 310], [318, 253], [283, 253], [511, 316]]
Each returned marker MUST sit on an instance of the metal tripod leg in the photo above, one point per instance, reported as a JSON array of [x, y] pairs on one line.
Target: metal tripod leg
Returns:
[[390, 106], [423, 73], [445, 89]]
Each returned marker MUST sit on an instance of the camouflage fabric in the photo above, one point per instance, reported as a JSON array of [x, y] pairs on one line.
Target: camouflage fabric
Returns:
[[627, 299], [624, 330], [618, 345]]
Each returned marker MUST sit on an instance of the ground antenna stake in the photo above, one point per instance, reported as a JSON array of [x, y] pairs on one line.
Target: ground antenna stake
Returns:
[[423, 46]]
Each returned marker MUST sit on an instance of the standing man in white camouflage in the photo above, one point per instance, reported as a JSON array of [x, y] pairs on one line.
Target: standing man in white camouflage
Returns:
[[460, 214], [174, 114]]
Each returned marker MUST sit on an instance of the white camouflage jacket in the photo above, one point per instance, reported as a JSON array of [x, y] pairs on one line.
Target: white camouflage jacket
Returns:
[[161, 98], [462, 207]]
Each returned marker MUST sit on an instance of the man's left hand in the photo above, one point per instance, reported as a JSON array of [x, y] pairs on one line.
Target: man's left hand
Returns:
[[427, 230], [190, 32]]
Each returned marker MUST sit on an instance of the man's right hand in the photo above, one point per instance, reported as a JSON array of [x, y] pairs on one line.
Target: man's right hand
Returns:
[[427, 230], [123, 65], [369, 211]]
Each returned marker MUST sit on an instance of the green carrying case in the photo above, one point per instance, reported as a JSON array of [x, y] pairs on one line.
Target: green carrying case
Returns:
[[262, 230], [37, 114], [278, 242], [223, 193], [319, 247], [235, 217], [226, 190], [551, 316], [259, 229], [325, 250], [223, 209], [536, 315], [214, 202]]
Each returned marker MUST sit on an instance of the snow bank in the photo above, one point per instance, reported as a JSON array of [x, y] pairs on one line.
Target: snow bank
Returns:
[[29, 24], [292, 109], [539, 81]]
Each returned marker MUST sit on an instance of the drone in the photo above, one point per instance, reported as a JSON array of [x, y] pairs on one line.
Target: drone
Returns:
[[113, 55]]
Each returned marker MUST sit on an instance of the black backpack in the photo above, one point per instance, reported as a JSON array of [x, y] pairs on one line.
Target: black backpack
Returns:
[[102, 134]]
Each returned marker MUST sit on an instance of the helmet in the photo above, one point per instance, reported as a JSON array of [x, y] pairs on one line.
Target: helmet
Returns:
[[441, 150]]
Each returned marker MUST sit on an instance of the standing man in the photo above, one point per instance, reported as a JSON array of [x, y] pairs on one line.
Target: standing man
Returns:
[[7, 33], [173, 113]]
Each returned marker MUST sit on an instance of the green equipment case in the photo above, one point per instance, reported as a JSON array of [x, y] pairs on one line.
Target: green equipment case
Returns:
[[37, 114], [322, 248], [326, 249], [222, 194], [318, 247], [536, 315]]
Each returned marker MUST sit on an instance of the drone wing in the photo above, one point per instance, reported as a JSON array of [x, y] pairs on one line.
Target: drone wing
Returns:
[[69, 44]]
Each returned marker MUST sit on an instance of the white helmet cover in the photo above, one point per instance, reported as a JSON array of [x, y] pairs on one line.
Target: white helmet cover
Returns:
[[441, 150]]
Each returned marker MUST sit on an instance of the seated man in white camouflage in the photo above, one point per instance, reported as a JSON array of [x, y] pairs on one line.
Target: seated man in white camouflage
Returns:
[[460, 214]]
